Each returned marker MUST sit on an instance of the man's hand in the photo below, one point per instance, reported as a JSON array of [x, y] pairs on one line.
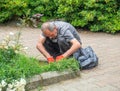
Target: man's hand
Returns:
[[50, 59], [59, 57]]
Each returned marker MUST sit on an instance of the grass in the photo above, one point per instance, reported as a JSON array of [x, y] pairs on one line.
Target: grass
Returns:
[[24, 66]]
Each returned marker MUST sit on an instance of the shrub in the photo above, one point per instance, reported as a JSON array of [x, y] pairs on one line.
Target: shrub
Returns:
[[12, 9], [96, 15]]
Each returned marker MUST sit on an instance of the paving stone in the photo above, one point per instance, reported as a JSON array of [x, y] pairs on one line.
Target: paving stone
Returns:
[[88, 87], [116, 84], [109, 88], [54, 89]]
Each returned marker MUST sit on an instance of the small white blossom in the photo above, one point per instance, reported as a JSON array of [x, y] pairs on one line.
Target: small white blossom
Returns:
[[10, 86], [23, 81], [0, 89], [3, 83], [6, 47], [11, 33], [20, 85], [25, 48], [16, 51], [17, 84], [9, 89], [14, 86]]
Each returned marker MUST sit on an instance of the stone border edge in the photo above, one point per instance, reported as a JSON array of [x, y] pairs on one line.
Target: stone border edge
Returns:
[[48, 78]]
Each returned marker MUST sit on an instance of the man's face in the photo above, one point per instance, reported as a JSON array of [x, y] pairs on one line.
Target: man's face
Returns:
[[50, 34]]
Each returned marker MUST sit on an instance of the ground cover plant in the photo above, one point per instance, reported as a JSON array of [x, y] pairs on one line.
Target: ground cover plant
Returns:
[[15, 66], [23, 66]]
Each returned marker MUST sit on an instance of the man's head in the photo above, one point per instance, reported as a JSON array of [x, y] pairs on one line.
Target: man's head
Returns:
[[49, 29]]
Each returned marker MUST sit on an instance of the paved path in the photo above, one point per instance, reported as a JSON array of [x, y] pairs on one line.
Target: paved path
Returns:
[[105, 77]]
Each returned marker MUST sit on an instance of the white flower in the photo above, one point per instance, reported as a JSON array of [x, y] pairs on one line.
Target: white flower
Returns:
[[3, 83], [11, 33], [17, 84], [16, 51], [9, 89], [23, 81], [6, 47], [20, 85], [0, 89], [14, 86], [25, 48], [10, 86]]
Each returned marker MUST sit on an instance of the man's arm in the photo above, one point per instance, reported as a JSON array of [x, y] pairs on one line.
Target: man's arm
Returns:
[[75, 46], [41, 48]]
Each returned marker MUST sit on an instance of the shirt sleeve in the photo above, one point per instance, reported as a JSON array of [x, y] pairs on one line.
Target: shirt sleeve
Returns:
[[68, 36]]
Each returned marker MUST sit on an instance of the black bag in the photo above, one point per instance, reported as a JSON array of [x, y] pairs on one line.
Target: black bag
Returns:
[[87, 58]]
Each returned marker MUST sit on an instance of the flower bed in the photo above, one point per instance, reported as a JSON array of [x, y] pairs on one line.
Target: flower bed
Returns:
[[15, 66]]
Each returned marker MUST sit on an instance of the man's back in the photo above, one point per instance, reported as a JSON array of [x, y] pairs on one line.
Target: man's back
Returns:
[[66, 30]]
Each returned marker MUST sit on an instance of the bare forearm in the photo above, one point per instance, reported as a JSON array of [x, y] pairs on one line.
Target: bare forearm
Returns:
[[73, 48], [42, 49]]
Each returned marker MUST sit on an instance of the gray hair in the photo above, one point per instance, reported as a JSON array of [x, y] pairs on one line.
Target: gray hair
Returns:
[[48, 25]]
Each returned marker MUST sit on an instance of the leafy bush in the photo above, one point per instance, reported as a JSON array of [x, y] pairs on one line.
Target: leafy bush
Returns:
[[12, 9], [96, 15], [46, 7]]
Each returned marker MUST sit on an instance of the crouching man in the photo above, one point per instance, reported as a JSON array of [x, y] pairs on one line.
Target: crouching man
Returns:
[[58, 40]]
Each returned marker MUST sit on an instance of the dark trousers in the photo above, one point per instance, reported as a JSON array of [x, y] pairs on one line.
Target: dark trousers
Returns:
[[55, 49]]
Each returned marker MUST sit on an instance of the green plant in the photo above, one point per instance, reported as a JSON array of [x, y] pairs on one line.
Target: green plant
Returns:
[[11, 44], [6, 54], [26, 19], [96, 15], [12, 9], [20, 67], [14, 65]]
